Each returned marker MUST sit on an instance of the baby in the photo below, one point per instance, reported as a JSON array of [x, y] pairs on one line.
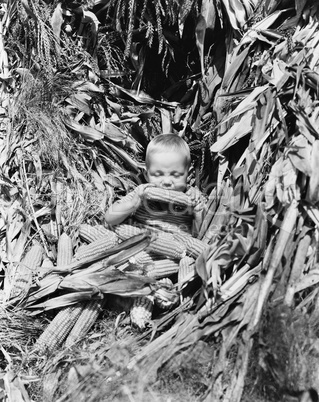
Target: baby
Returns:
[[167, 165]]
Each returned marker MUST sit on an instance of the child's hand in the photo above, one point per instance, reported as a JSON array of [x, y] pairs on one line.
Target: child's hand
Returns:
[[140, 192], [140, 189]]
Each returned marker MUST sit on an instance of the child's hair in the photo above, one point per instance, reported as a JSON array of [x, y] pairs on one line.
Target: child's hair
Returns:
[[167, 142]]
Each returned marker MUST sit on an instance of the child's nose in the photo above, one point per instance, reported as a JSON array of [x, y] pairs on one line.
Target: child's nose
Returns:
[[167, 182]]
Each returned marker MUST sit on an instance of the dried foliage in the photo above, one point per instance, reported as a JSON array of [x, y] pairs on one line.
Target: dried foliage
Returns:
[[84, 87]]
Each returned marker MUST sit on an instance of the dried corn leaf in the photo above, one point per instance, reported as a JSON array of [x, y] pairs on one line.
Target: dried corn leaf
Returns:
[[239, 129], [313, 189], [282, 183], [88, 133], [299, 153]]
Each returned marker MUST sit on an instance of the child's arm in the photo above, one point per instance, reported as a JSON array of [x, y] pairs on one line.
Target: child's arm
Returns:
[[122, 209]]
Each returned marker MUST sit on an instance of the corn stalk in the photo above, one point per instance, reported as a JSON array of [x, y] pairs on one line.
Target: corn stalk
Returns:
[[80, 100]]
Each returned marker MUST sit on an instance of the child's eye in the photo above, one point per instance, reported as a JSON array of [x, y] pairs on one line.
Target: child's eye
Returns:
[[157, 174], [177, 174]]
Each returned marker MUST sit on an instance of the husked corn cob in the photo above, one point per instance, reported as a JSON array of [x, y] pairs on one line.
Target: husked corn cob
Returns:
[[164, 220], [141, 311], [142, 258], [163, 302], [91, 233], [169, 196], [162, 268], [97, 247], [126, 231], [46, 266], [89, 313], [139, 262], [186, 270], [167, 282], [47, 263], [193, 246], [65, 250], [166, 298], [164, 244], [58, 329], [24, 271]]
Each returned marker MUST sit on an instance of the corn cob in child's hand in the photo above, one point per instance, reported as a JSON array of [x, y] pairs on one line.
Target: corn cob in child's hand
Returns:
[[169, 196]]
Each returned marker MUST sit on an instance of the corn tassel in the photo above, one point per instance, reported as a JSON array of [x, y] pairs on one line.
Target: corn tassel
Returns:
[[141, 311], [58, 329], [162, 268], [25, 270], [97, 247], [89, 314], [90, 233]]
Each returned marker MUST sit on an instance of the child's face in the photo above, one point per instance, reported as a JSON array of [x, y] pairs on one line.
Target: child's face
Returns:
[[168, 170]]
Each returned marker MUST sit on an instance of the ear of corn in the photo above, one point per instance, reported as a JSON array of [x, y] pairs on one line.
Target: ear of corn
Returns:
[[25, 270], [47, 263], [162, 268], [115, 256], [166, 298], [58, 329], [90, 233], [141, 311], [89, 314], [55, 333], [169, 196], [126, 231], [165, 245], [193, 246], [97, 247], [186, 270], [164, 220], [166, 282], [65, 250], [141, 259]]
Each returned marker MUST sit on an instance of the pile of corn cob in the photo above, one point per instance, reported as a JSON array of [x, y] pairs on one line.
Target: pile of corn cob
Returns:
[[172, 254], [166, 260]]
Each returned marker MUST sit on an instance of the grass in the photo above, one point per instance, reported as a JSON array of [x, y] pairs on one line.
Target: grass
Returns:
[[95, 369]]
